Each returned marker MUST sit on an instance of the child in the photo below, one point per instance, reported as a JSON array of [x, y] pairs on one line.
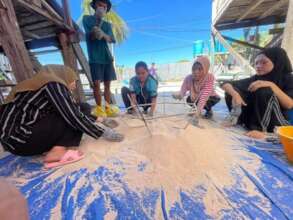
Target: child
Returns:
[[142, 91], [200, 85], [98, 34]]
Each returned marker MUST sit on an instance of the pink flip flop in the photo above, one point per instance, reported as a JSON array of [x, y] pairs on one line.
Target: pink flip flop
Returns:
[[71, 156]]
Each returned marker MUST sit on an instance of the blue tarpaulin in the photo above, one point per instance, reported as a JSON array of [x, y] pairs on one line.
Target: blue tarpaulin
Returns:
[[76, 195]]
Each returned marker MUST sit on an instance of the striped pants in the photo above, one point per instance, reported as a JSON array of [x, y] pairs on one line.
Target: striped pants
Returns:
[[263, 111]]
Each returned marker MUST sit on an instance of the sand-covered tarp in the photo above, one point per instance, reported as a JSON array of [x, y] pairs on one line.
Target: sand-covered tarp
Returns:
[[177, 173]]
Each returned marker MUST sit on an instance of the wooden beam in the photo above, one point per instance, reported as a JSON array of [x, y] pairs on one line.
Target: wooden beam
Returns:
[[242, 61], [43, 13], [70, 61], [37, 3], [13, 43], [276, 41], [51, 10], [45, 32], [287, 43], [30, 34], [251, 22], [250, 9], [36, 64], [246, 44], [273, 9], [42, 52], [37, 25], [67, 14], [40, 43], [32, 20], [276, 31], [83, 62]]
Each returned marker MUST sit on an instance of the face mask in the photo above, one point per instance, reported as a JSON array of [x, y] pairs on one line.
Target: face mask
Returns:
[[101, 11]]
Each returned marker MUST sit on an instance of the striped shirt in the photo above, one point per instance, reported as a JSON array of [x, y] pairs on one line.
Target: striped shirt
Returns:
[[203, 90], [19, 117]]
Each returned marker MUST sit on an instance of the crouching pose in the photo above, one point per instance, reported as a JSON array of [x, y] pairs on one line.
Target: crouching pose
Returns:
[[40, 115], [142, 91], [264, 98], [200, 87]]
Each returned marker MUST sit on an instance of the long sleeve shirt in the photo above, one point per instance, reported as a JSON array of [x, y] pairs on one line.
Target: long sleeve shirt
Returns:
[[206, 89], [19, 117]]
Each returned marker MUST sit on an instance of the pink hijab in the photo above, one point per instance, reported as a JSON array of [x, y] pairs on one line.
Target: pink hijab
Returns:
[[205, 63], [188, 82]]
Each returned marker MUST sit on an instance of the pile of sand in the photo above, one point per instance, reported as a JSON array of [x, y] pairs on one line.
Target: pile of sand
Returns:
[[174, 160]]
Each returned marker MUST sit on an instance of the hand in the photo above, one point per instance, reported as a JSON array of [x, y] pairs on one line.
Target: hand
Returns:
[[107, 38], [238, 101], [97, 33], [259, 84], [111, 123], [177, 96], [112, 136], [256, 134]]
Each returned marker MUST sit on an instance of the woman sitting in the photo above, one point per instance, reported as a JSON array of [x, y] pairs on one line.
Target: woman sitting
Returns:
[[142, 91], [40, 115], [265, 97], [201, 87]]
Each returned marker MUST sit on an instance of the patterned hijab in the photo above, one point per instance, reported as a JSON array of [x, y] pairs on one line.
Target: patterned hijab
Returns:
[[49, 73]]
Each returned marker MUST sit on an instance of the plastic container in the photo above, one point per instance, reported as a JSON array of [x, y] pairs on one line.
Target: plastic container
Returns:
[[286, 137], [291, 116]]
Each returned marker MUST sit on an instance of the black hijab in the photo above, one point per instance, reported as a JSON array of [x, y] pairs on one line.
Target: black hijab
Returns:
[[282, 66]]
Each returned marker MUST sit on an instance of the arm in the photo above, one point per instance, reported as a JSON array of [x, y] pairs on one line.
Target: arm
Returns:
[[133, 99], [229, 89], [184, 87], [236, 98], [153, 95], [205, 93], [61, 98], [109, 36], [285, 100]]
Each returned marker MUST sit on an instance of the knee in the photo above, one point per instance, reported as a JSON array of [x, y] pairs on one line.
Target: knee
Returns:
[[264, 92], [97, 84]]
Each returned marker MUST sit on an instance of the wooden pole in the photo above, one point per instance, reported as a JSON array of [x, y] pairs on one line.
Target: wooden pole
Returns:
[[13, 43], [71, 61], [287, 43], [242, 61]]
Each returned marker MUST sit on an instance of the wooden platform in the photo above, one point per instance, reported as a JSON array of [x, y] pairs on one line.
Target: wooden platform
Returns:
[[230, 14], [41, 21]]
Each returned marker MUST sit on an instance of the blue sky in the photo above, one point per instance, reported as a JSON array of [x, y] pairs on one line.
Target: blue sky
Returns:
[[160, 31]]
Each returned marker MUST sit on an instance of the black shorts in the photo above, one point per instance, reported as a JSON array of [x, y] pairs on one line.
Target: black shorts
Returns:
[[103, 72]]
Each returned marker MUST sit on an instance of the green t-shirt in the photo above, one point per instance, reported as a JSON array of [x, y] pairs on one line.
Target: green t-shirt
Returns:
[[98, 50]]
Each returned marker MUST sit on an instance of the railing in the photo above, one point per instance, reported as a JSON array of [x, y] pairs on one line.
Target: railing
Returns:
[[219, 6]]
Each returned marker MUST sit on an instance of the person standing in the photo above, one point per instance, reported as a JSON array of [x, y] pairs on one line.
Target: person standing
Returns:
[[99, 34]]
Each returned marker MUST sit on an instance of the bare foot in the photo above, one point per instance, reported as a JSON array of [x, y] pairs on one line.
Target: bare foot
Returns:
[[55, 154], [256, 134]]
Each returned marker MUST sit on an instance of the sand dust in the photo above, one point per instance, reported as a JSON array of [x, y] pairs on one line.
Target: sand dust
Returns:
[[172, 159]]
